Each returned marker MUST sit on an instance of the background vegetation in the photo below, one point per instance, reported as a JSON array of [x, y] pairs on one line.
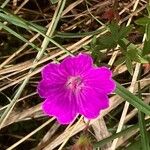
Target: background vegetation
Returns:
[[34, 33]]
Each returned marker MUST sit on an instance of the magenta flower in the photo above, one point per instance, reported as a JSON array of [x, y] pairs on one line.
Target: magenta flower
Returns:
[[74, 87]]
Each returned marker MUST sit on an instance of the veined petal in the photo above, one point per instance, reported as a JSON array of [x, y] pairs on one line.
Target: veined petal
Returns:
[[100, 79], [51, 72], [62, 106], [76, 65], [46, 88], [91, 103], [100, 73], [75, 86]]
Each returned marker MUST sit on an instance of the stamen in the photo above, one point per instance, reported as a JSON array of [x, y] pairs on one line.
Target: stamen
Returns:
[[75, 83]]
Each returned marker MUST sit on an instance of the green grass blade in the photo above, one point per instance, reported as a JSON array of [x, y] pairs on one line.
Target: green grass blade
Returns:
[[44, 45], [143, 132], [14, 20], [132, 99], [77, 35], [18, 36], [17, 21], [116, 135], [119, 134], [142, 124]]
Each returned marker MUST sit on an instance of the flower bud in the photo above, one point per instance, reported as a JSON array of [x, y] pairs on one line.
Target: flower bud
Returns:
[[83, 143]]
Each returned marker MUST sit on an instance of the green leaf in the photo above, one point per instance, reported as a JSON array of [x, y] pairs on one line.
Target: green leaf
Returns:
[[53, 1], [132, 99], [93, 42], [124, 31], [114, 29], [133, 54], [122, 45], [129, 65], [97, 56], [106, 42], [87, 47], [143, 21], [119, 32], [120, 61], [146, 48], [147, 58], [136, 55], [147, 30]]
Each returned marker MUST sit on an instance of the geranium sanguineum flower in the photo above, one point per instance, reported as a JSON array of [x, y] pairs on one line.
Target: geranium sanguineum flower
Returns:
[[75, 86]]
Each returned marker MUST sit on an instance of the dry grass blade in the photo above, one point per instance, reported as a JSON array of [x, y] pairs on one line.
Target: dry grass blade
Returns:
[[131, 89], [115, 101], [50, 32], [126, 106], [35, 36], [80, 22], [101, 132], [47, 136], [29, 135]]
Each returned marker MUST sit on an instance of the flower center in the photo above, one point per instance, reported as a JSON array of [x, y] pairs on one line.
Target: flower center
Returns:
[[75, 83]]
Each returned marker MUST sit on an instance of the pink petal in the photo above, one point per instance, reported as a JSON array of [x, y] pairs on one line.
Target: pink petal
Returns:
[[100, 80], [53, 81], [91, 103], [62, 106], [46, 88], [76, 65], [63, 101], [51, 72]]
